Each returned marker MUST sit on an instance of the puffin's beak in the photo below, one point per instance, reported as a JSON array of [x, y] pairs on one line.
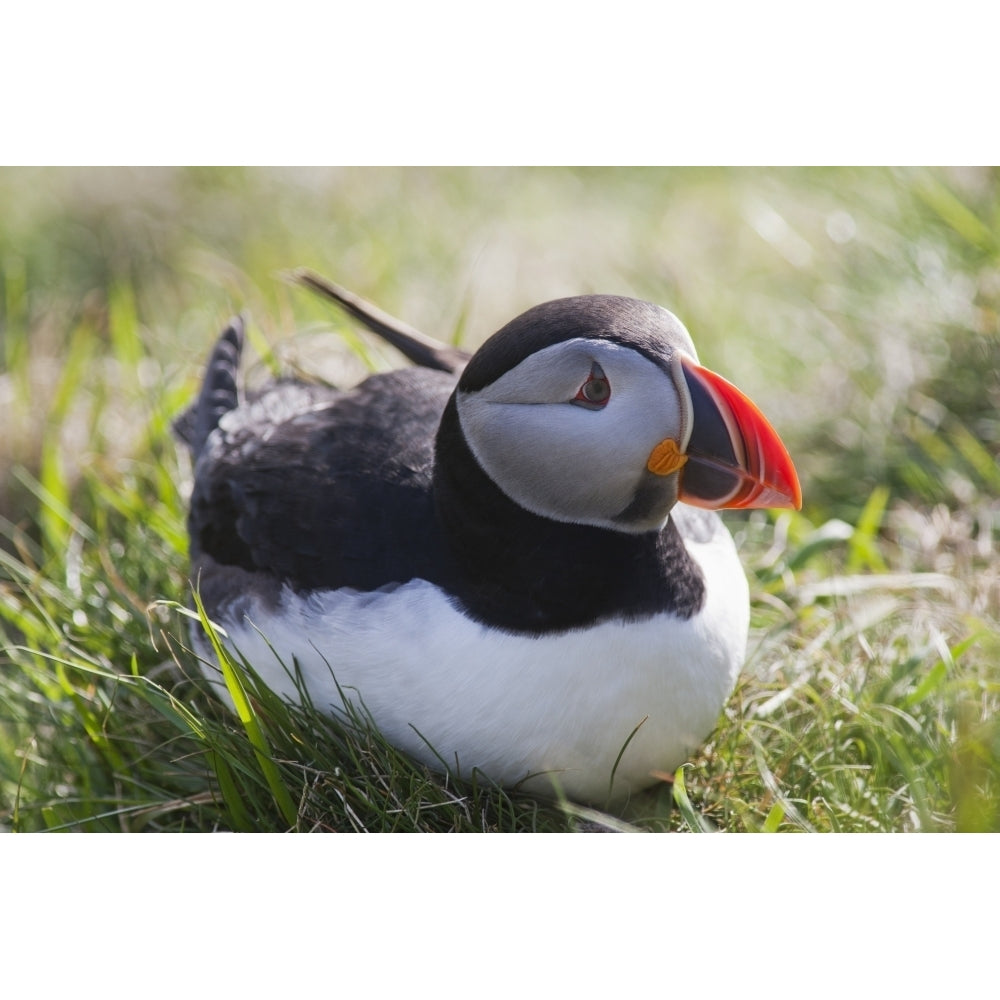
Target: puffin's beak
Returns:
[[734, 456]]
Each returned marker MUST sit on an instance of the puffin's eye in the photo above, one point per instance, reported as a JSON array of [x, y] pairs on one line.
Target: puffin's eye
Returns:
[[596, 391]]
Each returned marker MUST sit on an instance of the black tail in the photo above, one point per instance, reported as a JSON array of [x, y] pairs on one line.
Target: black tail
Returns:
[[220, 390], [418, 347]]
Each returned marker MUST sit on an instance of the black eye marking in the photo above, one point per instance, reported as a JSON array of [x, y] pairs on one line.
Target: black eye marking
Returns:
[[595, 392]]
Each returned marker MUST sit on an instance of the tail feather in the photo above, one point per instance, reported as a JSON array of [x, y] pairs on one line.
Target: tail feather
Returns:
[[418, 347], [220, 390]]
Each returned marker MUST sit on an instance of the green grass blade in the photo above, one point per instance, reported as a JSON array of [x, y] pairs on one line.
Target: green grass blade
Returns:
[[863, 546], [955, 212], [694, 819], [774, 818], [248, 718]]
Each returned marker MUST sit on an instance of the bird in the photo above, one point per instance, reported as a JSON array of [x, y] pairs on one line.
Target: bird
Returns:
[[511, 560]]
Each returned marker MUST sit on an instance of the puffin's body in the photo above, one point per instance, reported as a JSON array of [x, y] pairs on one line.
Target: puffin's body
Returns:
[[493, 560]]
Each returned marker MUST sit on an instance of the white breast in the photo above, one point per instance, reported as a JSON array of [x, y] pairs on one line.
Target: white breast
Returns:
[[514, 705]]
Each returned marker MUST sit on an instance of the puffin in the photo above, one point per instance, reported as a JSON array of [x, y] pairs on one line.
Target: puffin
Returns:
[[510, 561]]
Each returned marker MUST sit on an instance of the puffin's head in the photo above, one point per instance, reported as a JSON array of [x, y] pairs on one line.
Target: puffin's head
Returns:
[[594, 410]]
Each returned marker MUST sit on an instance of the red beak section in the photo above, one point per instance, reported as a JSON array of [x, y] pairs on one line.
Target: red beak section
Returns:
[[734, 456]]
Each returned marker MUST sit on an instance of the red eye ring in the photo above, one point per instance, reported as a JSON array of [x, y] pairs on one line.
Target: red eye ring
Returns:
[[596, 391]]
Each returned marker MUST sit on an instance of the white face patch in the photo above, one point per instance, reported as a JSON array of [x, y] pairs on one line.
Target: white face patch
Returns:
[[569, 462]]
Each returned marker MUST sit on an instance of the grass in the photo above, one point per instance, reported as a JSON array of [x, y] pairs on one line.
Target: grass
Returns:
[[859, 306]]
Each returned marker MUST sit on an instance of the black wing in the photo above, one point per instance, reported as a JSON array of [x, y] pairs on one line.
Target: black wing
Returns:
[[324, 489]]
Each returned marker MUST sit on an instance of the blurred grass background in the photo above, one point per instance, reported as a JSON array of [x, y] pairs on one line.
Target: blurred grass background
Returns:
[[859, 307]]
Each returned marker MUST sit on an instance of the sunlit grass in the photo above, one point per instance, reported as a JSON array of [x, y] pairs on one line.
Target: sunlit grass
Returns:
[[859, 307]]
